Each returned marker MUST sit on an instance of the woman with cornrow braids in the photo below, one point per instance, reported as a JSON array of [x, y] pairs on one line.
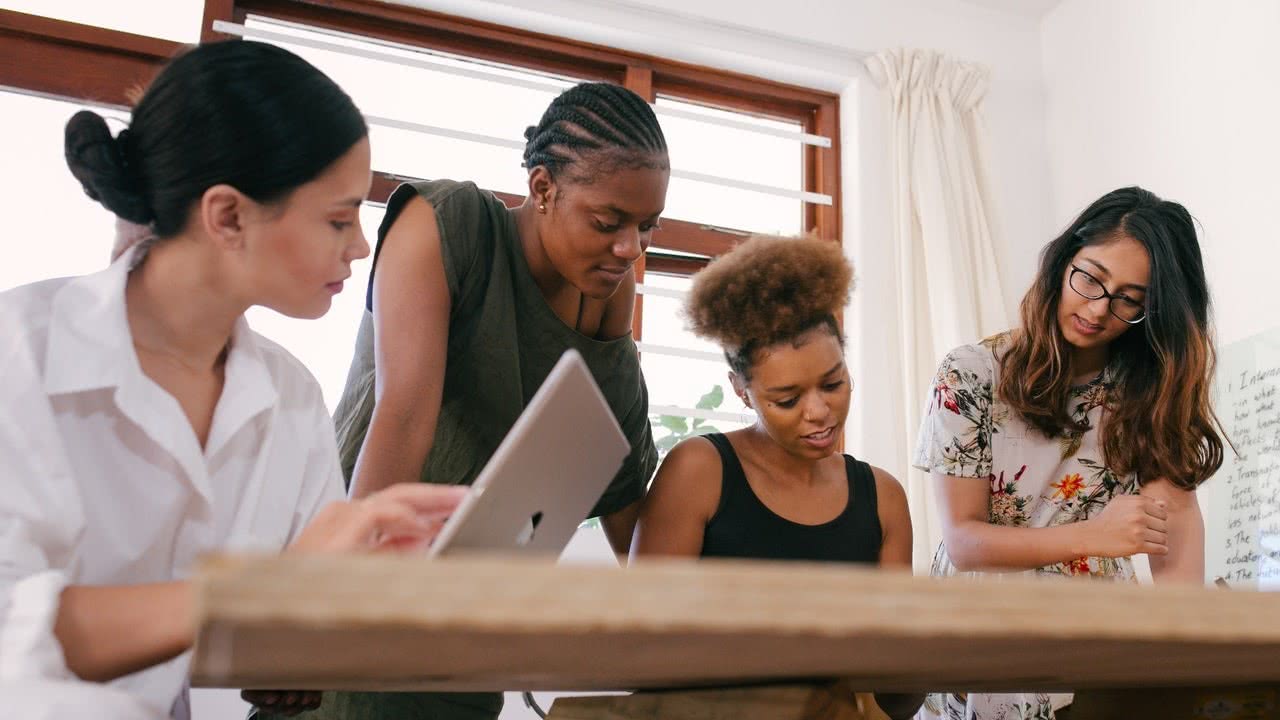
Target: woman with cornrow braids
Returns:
[[471, 304]]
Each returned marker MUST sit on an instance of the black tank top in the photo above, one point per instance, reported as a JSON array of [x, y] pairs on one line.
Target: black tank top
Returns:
[[744, 527]]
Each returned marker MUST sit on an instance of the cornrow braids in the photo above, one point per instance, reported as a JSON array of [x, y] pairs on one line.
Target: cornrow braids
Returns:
[[595, 118]]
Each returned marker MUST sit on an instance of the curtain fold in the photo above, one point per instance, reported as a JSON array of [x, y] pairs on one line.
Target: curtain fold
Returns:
[[946, 269]]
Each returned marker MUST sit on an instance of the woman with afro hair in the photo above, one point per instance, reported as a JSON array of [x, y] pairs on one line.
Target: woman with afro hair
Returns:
[[779, 489]]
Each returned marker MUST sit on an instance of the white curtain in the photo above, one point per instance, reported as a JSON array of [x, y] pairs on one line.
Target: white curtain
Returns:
[[947, 276]]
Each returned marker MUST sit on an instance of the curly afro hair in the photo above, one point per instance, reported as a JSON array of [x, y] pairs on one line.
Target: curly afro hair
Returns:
[[766, 291]]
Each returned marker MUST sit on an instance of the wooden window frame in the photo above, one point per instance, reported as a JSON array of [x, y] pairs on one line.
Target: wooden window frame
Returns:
[[77, 62], [646, 75], [86, 63]]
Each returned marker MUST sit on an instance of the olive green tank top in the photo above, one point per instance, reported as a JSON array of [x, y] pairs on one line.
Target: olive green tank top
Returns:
[[503, 341]]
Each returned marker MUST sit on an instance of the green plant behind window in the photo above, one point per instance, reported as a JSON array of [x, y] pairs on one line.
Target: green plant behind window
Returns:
[[678, 427]]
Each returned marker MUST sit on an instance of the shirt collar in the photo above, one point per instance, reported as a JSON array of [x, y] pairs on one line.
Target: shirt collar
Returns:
[[89, 344], [90, 347]]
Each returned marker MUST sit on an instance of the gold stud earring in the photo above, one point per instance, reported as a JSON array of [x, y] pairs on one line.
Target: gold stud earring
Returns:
[[542, 208]]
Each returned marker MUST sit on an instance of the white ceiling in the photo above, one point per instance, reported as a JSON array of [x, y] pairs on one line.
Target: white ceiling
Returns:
[[1027, 8]]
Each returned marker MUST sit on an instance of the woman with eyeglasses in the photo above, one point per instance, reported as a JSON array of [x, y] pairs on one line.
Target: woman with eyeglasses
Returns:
[[1076, 441]]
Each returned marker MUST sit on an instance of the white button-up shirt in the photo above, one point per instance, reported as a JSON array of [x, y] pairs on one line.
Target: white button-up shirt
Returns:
[[103, 481]]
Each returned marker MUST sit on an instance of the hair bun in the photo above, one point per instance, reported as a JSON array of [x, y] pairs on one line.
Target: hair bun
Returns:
[[97, 160], [768, 288]]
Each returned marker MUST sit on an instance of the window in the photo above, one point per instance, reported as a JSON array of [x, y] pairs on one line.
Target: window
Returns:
[[445, 97], [435, 111], [411, 97], [177, 20], [689, 392], [736, 153], [450, 98], [58, 233]]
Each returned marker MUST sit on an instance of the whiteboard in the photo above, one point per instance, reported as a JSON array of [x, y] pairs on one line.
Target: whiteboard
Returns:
[[1242, 500]]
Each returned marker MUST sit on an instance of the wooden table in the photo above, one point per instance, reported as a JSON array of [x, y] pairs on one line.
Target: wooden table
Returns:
[[391, 623]]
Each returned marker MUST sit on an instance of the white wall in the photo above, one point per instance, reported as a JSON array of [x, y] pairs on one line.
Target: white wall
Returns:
[[1183, 98]]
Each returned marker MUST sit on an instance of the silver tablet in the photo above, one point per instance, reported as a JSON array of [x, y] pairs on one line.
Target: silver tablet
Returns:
[[546, 475]]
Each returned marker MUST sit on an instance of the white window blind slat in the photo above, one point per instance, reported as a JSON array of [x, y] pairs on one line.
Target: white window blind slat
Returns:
[[697, 413], [239, 30], [679, 352]]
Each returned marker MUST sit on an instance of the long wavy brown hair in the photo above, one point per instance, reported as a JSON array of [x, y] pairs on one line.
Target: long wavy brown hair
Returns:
[[1159, 421]]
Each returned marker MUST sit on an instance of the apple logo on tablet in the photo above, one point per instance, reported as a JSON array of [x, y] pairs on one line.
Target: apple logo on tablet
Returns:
[[526, 535]]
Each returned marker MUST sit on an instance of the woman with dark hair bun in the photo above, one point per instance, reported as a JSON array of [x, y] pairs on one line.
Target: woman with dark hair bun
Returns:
[[142, 423], [1076, 441]]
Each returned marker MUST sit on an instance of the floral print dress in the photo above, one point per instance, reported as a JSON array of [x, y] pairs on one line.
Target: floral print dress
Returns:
[[1036, 481]]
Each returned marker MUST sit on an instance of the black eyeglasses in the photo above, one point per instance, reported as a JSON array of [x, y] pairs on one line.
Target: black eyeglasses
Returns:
[[1091, 288]]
